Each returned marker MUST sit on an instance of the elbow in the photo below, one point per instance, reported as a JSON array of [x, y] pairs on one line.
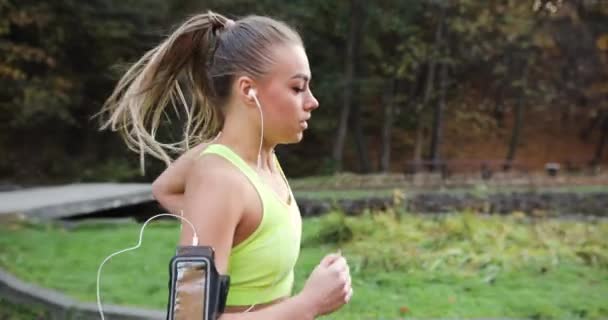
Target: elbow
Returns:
[[160, 195], [158, 190], [167, 198]]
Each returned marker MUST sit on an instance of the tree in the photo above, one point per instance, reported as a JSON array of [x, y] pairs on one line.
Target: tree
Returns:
[[352, 53]]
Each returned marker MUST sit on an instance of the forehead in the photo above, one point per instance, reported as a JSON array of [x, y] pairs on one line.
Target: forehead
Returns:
[[289, 61]]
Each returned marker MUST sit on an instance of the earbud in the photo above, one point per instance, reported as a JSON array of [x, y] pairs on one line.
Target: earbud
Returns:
[[252, 93]]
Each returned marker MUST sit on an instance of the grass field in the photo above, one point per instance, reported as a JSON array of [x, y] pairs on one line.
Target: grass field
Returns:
[[403, 265], [480, 191], [373, 183]]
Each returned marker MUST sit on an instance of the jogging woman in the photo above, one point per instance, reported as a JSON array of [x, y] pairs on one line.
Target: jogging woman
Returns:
[[245, 87]]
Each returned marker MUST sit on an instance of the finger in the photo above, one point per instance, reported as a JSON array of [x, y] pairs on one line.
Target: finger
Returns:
[[349, 295], [329, 259], [344, 278], [339, 264], [347, 284], [337, 270]]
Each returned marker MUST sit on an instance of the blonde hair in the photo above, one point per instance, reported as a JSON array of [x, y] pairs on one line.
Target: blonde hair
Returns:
[[200, 59]]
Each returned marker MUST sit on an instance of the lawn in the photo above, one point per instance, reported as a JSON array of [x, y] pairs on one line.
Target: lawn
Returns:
[[403, 265], [342, 185], [480, 191]]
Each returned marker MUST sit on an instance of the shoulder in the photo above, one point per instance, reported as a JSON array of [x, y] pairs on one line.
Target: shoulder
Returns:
[[213, 202], [213, 198], [194, 153], [216, 176]]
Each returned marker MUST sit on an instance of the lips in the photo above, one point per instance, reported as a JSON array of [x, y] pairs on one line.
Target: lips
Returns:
[[304, 123]]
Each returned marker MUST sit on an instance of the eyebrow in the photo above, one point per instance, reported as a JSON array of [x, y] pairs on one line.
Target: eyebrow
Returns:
[[301, 76]]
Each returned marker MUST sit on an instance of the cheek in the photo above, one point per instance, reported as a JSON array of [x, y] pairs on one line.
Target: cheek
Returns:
[[284, 106]]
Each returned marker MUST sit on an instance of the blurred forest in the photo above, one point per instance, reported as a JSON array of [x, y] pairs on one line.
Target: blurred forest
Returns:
[[399, 82]]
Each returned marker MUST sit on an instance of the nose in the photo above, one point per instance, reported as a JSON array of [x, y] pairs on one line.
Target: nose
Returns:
[[311, 103]]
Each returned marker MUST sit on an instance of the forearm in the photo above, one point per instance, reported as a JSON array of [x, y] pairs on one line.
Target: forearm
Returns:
[[294, 308], [169, 187], [173, 203]]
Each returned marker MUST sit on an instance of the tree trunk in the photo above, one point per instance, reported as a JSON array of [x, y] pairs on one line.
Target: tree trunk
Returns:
[[430, 78], [387, 127], [518, 123], [438, 118], [499, 109], [599, 150], [359, 139], [354, 34], [499, 96], [357, 106]]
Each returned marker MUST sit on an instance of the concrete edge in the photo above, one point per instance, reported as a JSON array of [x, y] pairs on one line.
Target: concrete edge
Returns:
[[60, 306], [87, 207]]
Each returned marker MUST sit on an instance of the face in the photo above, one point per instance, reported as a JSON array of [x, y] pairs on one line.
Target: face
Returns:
[[285, 96]]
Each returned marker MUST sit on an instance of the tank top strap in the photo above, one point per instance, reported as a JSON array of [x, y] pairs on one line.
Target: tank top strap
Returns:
[[227, 153], [278, 164]]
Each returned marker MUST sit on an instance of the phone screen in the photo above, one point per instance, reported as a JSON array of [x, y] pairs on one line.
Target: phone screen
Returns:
[[190, 290]]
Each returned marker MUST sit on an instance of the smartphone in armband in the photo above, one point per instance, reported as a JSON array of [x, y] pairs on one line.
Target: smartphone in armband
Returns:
[[196, 290]]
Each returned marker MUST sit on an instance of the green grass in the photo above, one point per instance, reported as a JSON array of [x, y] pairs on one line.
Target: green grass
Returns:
[[455, 266], [342, 183], [344, 194], [480, 191], [11, 311]]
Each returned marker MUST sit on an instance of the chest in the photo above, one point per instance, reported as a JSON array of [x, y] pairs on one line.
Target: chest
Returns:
[[285, 215]]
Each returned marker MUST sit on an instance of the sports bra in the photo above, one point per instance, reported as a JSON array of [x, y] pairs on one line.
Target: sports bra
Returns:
[[261, 267]]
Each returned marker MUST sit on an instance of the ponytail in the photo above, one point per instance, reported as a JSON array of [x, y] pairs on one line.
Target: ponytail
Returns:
[[200, 59], [142, 95]]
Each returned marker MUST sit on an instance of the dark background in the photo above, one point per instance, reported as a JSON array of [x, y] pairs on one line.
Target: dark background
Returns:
[[399, 82]]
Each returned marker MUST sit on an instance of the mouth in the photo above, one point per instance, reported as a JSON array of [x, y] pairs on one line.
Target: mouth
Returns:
[[304, 122]]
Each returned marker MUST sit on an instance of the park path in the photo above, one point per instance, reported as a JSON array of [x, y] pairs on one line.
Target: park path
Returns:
[[73, 199]]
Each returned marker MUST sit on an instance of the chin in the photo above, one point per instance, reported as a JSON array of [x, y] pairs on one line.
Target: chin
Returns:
[[294, 139], [299, 137]]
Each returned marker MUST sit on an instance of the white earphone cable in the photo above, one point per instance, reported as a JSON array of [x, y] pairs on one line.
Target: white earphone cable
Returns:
[[141, 232], [257, 102], [195, 236]]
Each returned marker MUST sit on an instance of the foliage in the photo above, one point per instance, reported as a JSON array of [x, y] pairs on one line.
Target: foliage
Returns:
[[333, 230], [465, 266], [11, 311], [471, 243], [61, 60], [55, 74]]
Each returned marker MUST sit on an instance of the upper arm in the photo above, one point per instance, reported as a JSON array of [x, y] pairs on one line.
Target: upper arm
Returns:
[[173, 179], [213, 204]]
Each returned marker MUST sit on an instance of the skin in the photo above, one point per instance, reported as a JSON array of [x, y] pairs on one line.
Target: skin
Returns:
[[225, 208]]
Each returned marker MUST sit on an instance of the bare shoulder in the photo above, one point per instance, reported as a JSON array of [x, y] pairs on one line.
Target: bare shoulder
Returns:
[[214, 204], [213, 169], [214, 181], [195, 152]]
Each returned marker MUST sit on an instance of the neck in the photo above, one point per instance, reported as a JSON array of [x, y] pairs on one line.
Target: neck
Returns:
[[243, 136]]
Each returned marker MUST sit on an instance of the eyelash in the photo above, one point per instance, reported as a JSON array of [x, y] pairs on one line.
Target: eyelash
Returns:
[[298, 90]]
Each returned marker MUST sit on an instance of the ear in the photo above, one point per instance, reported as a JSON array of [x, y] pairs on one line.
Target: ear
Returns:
[[244, 86]]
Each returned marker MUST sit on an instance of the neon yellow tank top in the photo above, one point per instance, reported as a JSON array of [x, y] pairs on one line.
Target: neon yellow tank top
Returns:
[[261, 267]]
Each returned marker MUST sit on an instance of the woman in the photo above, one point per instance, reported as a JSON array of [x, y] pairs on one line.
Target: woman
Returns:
[[249, 85]]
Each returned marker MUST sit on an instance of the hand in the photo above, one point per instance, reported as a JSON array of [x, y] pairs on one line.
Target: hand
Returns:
[[329, 285]]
